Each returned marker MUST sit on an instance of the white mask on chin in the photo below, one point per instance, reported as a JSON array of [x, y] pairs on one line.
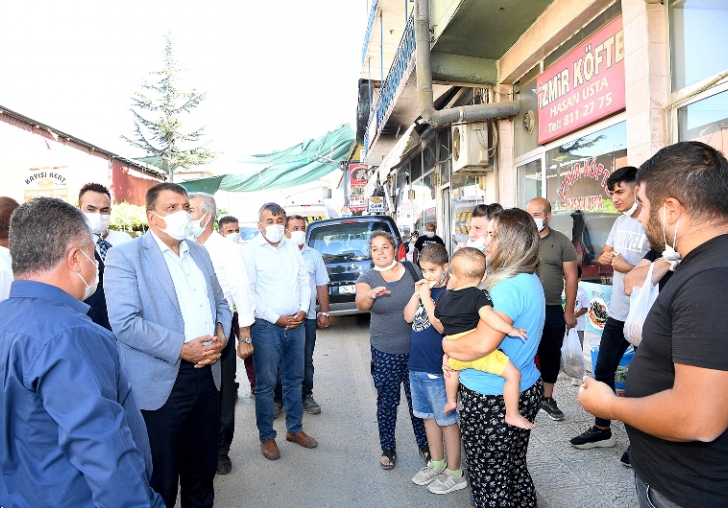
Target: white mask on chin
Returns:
[[479, 243], [670, 254], [298, 237], [629, 212], [384, 269]]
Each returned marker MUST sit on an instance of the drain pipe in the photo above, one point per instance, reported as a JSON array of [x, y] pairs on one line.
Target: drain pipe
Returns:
[[461, 114]]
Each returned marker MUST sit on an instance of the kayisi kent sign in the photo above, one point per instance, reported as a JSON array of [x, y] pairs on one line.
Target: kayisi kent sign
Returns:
[[584, 86]]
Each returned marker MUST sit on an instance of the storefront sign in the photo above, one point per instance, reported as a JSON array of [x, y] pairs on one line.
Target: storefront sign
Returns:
[[584, 86], [357, 182], [46, 182], [591, 170], [376, 204]]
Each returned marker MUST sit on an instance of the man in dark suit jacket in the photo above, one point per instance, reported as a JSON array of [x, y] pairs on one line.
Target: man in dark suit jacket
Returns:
[[94, 200]]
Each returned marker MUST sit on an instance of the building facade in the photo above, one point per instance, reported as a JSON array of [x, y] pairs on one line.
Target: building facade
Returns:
[[598, 84]]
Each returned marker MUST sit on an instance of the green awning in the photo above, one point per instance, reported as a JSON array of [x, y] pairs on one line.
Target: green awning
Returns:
[[297, 165]]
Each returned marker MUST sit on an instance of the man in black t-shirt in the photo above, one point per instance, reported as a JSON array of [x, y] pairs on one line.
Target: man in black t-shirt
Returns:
[[426, 239], [676, 403]]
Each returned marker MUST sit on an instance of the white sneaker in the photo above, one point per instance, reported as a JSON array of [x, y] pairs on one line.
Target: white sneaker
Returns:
[[446, 483], [427, 474]]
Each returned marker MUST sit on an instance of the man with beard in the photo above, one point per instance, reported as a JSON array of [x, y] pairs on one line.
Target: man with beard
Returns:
[[676, 403], [625, 247]]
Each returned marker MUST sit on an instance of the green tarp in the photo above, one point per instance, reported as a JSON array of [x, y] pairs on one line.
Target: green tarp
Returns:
[[297, 165]]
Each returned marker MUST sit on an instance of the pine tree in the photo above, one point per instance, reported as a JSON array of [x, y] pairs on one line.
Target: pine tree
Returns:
[[162, 136]]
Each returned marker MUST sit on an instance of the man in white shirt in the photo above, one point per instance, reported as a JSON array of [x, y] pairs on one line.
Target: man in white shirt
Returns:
[[94, 200], [319, 284], [7, 207], [279, 280], [227, 260]]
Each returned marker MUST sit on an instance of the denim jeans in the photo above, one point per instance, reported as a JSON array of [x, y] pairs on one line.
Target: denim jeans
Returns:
[[277, 348], [648, 497], [611, 349], [310, 330]]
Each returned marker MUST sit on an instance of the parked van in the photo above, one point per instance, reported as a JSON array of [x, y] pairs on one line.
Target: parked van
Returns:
[[344, 246]]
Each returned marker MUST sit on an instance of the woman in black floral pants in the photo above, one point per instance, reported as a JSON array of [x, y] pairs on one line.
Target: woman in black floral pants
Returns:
[[496, 451]]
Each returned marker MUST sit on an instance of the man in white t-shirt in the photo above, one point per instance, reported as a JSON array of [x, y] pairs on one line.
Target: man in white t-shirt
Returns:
[[7, 207], [94, 200], [626, 246]]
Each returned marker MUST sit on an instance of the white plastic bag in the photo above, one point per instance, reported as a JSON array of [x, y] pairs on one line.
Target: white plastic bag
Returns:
[[572, 357], [640, 303]]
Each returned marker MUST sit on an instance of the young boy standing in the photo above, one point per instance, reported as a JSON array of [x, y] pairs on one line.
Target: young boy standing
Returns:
[[426, 378]]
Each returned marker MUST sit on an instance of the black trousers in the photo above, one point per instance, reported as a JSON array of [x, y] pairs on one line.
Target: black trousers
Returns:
[[183, 439], [228, 395], [611, 349], [549, 350]]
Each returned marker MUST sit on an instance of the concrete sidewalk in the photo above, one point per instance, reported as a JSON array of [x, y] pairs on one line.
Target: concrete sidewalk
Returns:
[[344, 472]]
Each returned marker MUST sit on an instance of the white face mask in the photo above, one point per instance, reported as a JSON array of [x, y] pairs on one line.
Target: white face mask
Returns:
[[430, 234], [479, 243], [298, 237], [384, 269], [274, 233], [90, 289], [233, 237], [96, 222], [629, 212], [539, 224], [178, 224], [196, 227], [670, 254]]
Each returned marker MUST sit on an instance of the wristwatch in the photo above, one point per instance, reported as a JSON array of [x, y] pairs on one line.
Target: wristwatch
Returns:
[[322, 314], [246, 341]]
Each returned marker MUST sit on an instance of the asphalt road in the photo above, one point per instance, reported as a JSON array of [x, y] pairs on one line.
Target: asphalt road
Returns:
[[344, 470]]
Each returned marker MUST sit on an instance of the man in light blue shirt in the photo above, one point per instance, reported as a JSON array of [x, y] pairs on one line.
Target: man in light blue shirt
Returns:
[[319, 284], [279, 281]]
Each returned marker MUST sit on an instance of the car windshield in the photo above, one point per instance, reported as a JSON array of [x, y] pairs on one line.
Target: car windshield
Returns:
[[345, 241]]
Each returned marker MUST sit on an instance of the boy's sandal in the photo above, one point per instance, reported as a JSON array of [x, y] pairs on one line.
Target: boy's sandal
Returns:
[[391, 457], [425, 453]]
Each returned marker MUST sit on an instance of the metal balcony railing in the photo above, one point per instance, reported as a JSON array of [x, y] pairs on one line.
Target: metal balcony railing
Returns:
[[393, 80], [370, 27]]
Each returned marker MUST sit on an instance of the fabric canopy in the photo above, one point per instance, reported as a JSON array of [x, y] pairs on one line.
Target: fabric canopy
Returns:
[[297, 165]]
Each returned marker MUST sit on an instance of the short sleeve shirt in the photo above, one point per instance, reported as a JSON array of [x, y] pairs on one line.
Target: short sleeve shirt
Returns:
[[458, 309], [317, 275], [686, 325], [423, 241], [425, 341], [555, 250], [389, 332], [652, 256], [628, 239]]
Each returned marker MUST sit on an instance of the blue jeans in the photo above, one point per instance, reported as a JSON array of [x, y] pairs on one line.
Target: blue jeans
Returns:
[[429, 398], [277, 348], [648, 497], [310, 330]]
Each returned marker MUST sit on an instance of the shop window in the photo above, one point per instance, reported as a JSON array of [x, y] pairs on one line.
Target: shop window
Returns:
[[698, 37], [443, 156], [424, 202], [576, 187], [706, 121], [530, 182], [416, 166]]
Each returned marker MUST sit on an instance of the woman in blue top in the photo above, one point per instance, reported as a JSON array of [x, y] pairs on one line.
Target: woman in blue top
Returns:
[[496, 451]]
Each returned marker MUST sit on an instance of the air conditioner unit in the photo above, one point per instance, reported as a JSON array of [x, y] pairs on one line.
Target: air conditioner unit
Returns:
[[470, 148]]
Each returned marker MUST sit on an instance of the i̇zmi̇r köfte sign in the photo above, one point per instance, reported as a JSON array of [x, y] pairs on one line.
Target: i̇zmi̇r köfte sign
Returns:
[[584, 86]]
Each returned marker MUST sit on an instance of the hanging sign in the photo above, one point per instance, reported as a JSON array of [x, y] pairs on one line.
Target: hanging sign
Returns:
[[584, 86], [357, 182]]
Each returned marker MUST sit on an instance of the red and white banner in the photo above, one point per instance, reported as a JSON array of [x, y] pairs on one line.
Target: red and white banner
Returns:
[[584, 86]]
